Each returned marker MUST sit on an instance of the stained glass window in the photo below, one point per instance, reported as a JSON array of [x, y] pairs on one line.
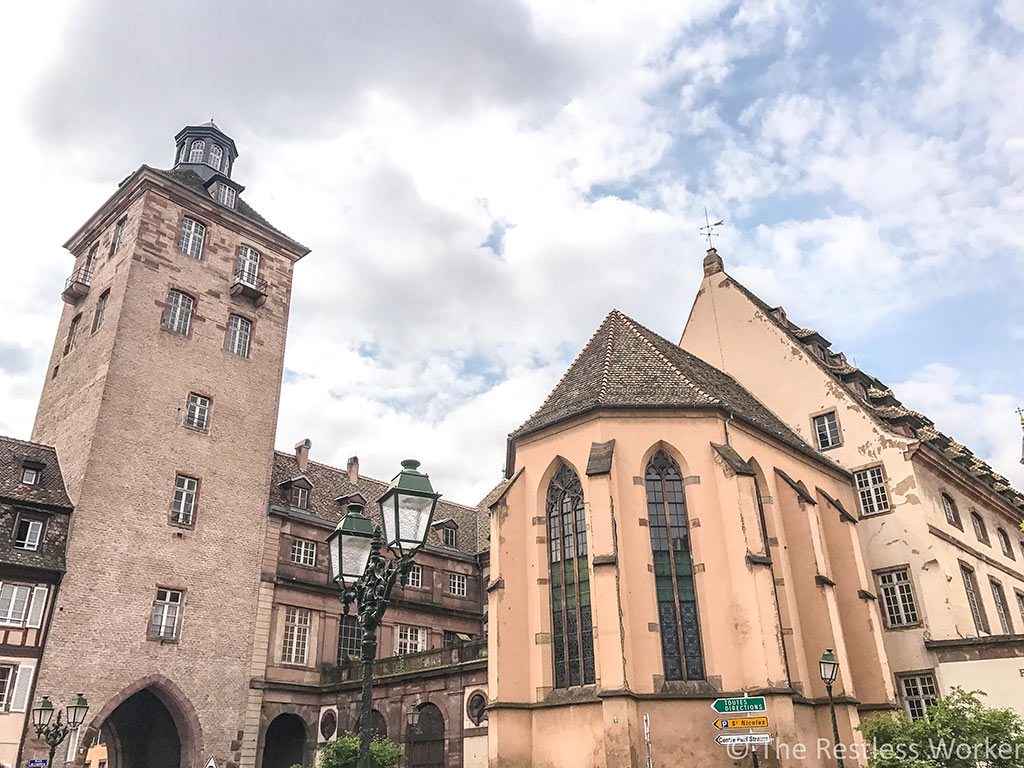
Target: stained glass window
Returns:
[[572, 635], [681, 649]]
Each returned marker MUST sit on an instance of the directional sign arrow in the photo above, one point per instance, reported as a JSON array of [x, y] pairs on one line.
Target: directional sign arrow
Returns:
[[723, 724], [727, 739], [740, 704]]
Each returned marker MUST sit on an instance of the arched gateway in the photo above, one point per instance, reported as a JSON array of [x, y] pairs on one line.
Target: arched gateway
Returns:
[[148, 725]]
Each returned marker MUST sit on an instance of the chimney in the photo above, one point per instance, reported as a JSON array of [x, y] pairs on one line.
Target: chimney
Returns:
[[713, 263], [353, 470], [302, 453]]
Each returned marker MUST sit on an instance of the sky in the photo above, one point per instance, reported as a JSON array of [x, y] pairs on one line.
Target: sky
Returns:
[[481, 182]]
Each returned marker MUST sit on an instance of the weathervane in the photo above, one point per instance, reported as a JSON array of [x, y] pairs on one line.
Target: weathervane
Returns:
[[1020, 412], [708, 230]]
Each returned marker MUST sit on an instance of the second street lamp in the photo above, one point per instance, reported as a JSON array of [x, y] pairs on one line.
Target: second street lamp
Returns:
[[367, 576], [54, 731], [828, 666]]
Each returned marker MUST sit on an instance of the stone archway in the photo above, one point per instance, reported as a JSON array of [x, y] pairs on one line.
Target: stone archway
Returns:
[[285, 742], [150, 724], [424, 743]]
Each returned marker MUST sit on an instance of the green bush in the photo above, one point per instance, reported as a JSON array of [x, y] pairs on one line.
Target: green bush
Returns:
[[343, 751], [958, 732]]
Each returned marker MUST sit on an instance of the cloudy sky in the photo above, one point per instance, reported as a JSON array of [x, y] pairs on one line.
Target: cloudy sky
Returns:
[[480, 182]]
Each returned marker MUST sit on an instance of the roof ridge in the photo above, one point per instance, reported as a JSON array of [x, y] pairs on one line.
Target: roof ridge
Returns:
[[609, 343], [637, 328], [28, 442]]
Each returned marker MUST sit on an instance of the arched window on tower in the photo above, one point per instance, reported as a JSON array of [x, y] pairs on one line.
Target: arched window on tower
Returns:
[[572, 635], [182, 152], [195, 154], [681, 649], [216, 154]]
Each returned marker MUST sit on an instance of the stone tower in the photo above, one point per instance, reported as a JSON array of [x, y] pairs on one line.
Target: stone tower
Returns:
[[161, 399]]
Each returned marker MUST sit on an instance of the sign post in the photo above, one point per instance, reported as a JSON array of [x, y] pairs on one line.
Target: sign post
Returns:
[[742, 706]]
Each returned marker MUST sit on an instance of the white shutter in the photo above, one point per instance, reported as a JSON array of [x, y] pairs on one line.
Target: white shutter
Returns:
[[72, 744], [19, 701], [37, 608]]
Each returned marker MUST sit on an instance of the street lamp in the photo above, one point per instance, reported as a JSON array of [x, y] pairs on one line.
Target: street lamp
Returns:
[[366, 576], [54, 731], [828, 666]]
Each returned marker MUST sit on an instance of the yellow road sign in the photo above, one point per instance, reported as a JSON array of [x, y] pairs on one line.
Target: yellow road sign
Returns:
[[726, 724]]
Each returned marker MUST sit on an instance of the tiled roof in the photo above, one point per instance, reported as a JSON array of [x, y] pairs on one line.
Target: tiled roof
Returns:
[[331, 482], [50, 489], [625, 365], [879, 401]]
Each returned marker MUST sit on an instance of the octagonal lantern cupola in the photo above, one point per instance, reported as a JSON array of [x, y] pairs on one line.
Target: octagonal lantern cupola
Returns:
[[205, 149]]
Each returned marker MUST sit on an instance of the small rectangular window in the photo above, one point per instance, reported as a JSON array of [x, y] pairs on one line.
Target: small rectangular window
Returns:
[[118, 239], [826, 428], [900, 610], [28, 534], [974, 599], [30, 475], [71, 341], [1002, 607], [6, 684], [299, 497], [350, 638], [457, 584], [919, 694], [304, 552], [415, 577], [296, 636], [197, 411], [193, 234], [874, 498], [238, 336], [178, 313], [165, 620], [247, 268], [226, 195], [101, 310], [14, 603], [451, 537], [410, 639], [183, 508]]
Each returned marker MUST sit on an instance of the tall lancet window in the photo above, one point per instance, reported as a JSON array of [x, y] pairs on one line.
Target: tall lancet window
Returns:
[[572, 635], [216, 153], [195, 155], [673, 570]]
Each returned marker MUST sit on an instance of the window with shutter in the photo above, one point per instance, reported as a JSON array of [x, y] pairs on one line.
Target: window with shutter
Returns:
[[37, 608], [13, 603], [22, 685], [6, 681]]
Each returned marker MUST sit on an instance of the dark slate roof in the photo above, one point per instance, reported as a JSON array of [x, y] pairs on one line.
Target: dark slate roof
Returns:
[[331, 482], [50, 490], [880, 403], [188, 178], [625, 365]]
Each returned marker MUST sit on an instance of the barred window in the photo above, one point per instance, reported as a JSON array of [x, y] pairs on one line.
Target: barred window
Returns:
[[193, 234], [457, 584], [247, 268], [681, 648], [974, 599], [296, 636], [183, 508], [166, 618], [101, 310], [826, 428], [572, 629], [1005, 544], [216, 153], [410, 639], [195, 155], [350, 638], [897, 593], [874, 499], [304, 552], [952, 513], [72, 338], [919, 693], [197, 411], [178, 313], [238, 336], [1002, 607], [415, 577]]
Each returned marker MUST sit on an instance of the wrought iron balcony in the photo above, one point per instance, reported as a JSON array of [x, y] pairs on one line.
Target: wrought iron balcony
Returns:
[[252, 288], [77, 286]]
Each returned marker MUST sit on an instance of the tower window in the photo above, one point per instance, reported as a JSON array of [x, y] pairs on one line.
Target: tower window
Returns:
[[90, 259], [226, 195], [216, 153], [195, 155], [165, 620], [238, 336], [826, 429], [183, 508], [247, 269], [182, 152], [101, 310], [72, 338], [118, 240], [197, 411], [178, 313], [193, 234]]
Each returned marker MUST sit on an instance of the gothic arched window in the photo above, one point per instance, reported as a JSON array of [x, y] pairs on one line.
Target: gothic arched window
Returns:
[[572, 635], [673, 570], [216, 153], [195, 154]]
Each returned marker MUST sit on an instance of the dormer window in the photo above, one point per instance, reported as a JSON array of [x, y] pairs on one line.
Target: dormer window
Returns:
[[30, 475], [226, 195], [299, 497], [451, 537], [195, 155], [216, 155]]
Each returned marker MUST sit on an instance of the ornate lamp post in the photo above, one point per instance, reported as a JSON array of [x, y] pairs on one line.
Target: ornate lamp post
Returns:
[[828, 665], [366, 576], [54, 731]]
